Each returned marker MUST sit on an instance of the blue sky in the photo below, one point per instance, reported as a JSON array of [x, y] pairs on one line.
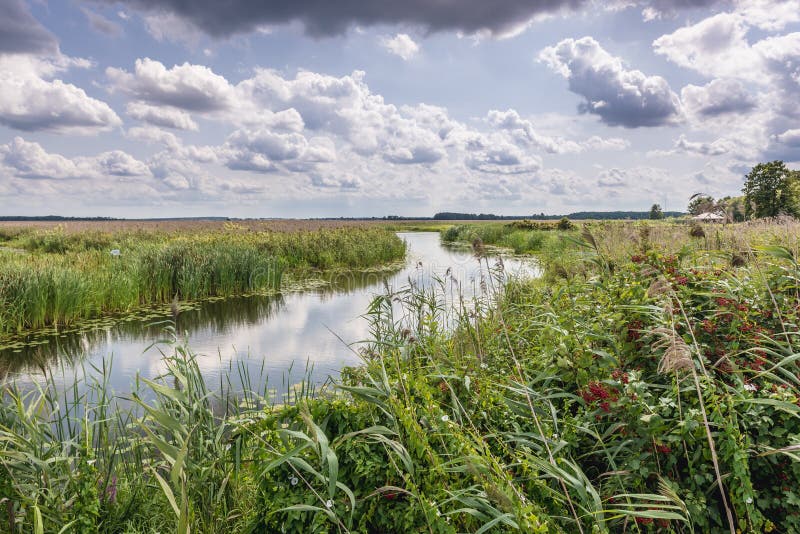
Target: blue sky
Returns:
[[144, 108]]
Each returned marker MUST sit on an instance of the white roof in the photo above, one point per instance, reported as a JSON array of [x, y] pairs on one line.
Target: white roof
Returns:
[[708, 217]]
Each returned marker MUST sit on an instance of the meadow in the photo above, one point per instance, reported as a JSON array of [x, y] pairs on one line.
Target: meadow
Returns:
[[647, 382], [59, 275]]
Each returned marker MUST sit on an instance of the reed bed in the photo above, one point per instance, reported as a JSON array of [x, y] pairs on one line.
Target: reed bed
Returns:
[[645, 387], [55, 277]]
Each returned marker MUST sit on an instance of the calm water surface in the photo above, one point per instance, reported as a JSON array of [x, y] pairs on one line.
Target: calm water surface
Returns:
[[279, 339]]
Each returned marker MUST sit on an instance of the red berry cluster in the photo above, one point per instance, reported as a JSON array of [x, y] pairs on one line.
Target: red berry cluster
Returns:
[[597, 393], [620, 375]]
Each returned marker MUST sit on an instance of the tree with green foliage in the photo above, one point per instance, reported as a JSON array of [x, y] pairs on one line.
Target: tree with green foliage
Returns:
[[733, 208], [794, 187], [656, 212], [700, 203], [564, 224], [768, 191]]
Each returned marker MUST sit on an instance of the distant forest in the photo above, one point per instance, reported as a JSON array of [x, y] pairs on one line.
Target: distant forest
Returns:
[[578, 215], [442, 216], [59, 218], [52, 218]]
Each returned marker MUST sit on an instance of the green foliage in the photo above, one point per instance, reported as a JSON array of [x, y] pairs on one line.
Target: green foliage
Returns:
[[768, 191], [520, 236], [564, 224], [734, 207], [701, 203], [656, 212], [526, 224]]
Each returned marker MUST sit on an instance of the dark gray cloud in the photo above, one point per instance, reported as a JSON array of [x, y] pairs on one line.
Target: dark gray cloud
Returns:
[[619, 96], [327, 17], [20, 33], [671, 6], [322, 18]]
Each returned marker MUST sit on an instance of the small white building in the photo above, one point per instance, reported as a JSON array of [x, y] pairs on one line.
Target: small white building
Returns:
[[709, 217]]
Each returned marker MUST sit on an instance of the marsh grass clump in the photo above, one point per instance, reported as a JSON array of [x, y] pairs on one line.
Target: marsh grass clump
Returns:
[[696, 230], [520, 236], [738, 259], [65, 277]]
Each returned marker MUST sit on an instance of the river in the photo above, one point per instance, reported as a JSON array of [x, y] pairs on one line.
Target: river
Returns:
[[276, 340]]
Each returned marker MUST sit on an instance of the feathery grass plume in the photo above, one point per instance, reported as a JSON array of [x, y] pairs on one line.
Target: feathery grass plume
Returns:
[[649, 270], [659, 286], [677, 354], [587, 236]]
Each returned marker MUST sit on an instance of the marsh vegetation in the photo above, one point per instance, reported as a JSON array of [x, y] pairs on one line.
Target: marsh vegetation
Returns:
[[646, 382], [57, 277]]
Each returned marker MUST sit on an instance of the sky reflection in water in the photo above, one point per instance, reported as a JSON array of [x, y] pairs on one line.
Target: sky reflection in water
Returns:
[[280, 338]]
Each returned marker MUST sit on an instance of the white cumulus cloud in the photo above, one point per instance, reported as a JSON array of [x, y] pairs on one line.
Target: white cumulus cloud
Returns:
[[619, 96], [401, 45], [31, 100]]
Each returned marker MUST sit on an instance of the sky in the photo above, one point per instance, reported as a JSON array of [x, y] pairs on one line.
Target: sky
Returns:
[[308, 108]]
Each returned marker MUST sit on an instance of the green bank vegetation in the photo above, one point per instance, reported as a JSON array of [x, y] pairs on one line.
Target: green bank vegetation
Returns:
[[55, 277], [648, 382]]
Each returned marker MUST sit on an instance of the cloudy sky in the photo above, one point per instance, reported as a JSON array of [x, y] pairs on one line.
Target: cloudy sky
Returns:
[[308, 108]]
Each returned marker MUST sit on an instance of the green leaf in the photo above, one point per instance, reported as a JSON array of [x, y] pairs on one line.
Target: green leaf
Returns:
[[168, 493], [333, 472], [506, 518], [38, 524], [777, 251]]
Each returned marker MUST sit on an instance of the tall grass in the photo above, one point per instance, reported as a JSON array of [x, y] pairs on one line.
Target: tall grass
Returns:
[[65, 278]]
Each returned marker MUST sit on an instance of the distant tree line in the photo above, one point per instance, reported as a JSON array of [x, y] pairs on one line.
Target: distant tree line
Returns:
[[577, 216]]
